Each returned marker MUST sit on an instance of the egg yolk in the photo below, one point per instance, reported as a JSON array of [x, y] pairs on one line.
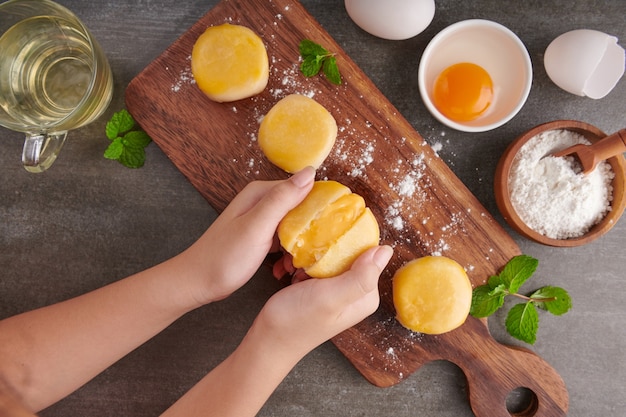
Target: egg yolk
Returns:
[[463, 91]]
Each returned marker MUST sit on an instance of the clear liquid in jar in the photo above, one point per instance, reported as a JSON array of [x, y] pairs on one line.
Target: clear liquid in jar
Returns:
[[45, 72]]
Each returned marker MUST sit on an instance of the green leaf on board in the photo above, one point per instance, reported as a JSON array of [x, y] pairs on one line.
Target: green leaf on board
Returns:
[[316, 58]]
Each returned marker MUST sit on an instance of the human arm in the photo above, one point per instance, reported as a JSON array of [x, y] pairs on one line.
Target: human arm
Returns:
[[292, 323], [47, 353]]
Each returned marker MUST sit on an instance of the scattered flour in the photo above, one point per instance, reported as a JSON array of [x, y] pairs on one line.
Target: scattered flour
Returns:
[[354, 147], [551, 195], [185, 77], [410, 188]]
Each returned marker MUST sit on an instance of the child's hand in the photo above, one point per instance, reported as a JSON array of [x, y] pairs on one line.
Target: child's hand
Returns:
[[236, 244], [308, 313]]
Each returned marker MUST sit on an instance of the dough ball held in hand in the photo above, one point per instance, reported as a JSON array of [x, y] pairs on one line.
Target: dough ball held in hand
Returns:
[[297, 132], [328, 230]]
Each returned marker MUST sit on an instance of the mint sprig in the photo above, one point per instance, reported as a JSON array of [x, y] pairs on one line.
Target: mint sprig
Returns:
[[128, 140], [522, 320], [315, 58]]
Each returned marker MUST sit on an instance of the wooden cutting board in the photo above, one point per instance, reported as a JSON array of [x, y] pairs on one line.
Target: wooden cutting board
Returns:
[[422, 207]]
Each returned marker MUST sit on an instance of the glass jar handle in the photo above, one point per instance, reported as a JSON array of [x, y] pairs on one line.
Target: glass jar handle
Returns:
[[41, 150]]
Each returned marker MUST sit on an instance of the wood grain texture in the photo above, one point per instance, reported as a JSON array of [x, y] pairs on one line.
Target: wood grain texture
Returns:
[[421, 206]]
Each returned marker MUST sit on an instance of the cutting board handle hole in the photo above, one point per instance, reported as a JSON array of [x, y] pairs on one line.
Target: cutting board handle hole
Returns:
[[522, 402]]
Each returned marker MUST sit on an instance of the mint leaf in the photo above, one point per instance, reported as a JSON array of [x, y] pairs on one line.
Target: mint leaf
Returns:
[[120, 123], [315, 58], [128, 140], [522, 322], [308, 47], [137, 139], [310, 66], [331, 71], [132, 157], [494, 281], [115, 149], [517, 271], [560, 301], [485, 301], [500, 289]]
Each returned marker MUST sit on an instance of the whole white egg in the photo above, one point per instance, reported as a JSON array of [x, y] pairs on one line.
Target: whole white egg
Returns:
[[391, 19], [585, 62]]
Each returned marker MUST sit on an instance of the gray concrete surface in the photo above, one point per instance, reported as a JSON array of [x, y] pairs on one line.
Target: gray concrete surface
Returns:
[[89, 221]]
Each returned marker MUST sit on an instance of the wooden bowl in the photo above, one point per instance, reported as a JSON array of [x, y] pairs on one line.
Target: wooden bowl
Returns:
[[502, 193]]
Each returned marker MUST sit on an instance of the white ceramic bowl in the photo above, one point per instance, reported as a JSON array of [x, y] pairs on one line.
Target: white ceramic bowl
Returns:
[[495, 48]]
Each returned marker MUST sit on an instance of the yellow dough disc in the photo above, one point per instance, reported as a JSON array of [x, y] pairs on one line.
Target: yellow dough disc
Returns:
[[328, 230], [432, 295], [229, 62], [297, 132]]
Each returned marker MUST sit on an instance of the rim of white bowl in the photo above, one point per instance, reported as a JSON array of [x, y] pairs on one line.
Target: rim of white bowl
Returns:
[[428, 52]]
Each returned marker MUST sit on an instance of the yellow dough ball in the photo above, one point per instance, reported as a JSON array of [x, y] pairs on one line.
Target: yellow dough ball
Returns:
[[297, 132], [432, 295], [229, 63], [328, 230]]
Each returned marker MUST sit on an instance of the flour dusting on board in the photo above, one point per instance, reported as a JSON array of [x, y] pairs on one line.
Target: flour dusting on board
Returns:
[[414, 213], [183, 78], [390, 350], [409, 183], [355, 148], [355, 151]]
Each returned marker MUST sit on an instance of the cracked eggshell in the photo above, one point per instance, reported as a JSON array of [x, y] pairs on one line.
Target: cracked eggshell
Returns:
[[391, 19], [585, 62]]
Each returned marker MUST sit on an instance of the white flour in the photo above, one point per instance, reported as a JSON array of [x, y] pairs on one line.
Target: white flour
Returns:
[[551, 195]]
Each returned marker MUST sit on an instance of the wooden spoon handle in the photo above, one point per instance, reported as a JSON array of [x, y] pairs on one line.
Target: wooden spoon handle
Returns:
[[609, 146]]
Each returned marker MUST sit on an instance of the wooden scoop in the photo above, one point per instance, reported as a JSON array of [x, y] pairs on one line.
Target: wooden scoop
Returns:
[[590, 155]]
